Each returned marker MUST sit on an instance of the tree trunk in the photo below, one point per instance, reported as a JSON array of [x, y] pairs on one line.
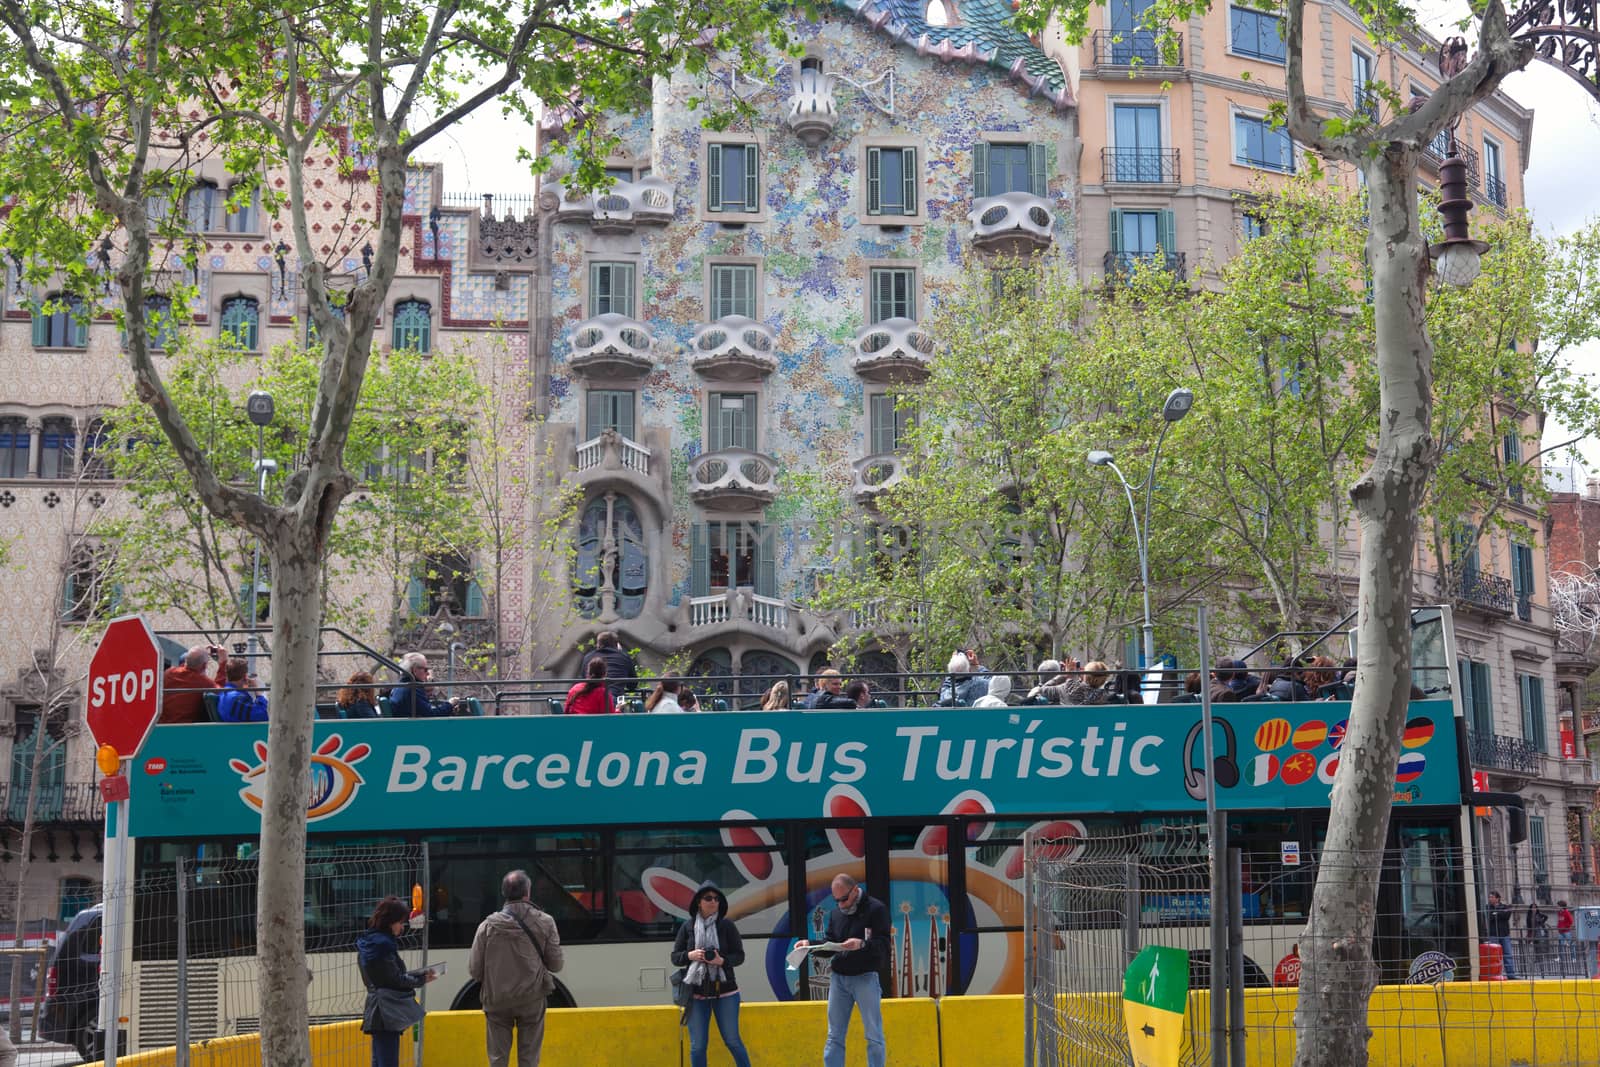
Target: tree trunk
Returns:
[[280, 909], [1337, 968]]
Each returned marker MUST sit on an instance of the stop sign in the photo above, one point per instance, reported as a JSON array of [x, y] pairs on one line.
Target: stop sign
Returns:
[[125, 685]]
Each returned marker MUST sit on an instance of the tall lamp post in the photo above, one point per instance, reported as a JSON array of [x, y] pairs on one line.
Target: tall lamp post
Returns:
[[1177, 405], [259, 406]]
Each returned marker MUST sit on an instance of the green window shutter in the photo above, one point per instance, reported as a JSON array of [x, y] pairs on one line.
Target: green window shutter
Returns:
[[416, 595], [980, 170], [881, 422], [1167, 232], [880, 296], [744, 291], [1524, 708], [766, 564], [625, 402], [1036, 178], [622, 289], [69, 593], [716, 424], [1536, 704], [1116, 230], [474, 604], [874, 181], [1483, 698], [714, 177], [908, 171], [599, 290], [752, 174], [700, 561], [41, 329], [597, 414]]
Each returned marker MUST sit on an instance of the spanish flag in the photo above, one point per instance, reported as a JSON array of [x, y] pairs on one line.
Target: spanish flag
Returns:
[[1155, 992]]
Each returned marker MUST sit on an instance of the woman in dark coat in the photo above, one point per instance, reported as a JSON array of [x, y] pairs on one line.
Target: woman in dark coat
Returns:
[[709, 946], [390, 1007]]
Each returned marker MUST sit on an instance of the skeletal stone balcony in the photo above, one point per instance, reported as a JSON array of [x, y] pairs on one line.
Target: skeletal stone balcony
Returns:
[[812, 111], [733, 348], [893, 351], [619, 209], [876, 474], [739, 605], [734, 479], [612, 452], [1011, 223], [611, 345]]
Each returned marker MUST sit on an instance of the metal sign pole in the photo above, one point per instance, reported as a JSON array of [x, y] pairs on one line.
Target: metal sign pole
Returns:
[[112, 925], [1215, 852]]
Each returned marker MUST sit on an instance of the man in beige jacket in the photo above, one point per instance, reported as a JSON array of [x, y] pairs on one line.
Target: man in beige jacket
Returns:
[[514, 956]]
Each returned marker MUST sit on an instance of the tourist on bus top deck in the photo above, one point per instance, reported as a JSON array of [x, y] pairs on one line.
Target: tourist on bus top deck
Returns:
[[236, 703], [622, 674], [776, 698], [591, 696], [412, 699], [963, 683], [359, 697], [998, 695], [182, 700], [664, 698]]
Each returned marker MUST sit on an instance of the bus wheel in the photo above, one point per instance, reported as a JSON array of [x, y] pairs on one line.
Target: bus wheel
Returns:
[[470, 1000]]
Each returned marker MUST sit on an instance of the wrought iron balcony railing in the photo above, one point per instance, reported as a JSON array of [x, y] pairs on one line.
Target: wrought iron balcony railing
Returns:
[[1438, 148], [1120, 266], [1485, 591], [55, 803], [1498, 752], [1150, 166], [1494, 190], [1133, 48]]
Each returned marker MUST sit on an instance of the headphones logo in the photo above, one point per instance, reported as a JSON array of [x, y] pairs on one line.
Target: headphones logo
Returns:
[[1225, 769], [334, 778]]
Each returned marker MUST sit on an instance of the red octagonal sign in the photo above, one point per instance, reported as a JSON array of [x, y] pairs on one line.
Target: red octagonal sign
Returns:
[[125, 685]]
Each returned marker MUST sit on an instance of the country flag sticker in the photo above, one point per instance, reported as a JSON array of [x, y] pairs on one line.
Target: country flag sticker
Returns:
[[1419, 731], [1410, 768], [1272, 735], [1328, 768], [1337, 732], [1263, 769], [1310, 735], [1298, 768]]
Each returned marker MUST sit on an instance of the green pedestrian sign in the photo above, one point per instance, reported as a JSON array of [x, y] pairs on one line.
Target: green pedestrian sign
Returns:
[[1155, 993]]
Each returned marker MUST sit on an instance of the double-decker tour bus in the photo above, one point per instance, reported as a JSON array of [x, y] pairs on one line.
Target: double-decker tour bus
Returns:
[[618, 818]]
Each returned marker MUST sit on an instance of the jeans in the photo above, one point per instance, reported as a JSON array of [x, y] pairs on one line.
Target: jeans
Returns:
[[1506, 955], [865, 992], [386, 1048], [726, 1009]]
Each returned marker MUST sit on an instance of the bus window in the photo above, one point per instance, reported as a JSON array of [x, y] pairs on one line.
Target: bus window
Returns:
[[650, 870], [466, 871]]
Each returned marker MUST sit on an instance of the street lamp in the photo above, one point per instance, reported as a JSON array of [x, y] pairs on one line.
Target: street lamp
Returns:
[[1177, 405], [1457, 258], [259, 407]]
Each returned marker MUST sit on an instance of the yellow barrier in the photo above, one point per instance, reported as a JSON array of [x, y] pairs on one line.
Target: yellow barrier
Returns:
[[1458, 1024]]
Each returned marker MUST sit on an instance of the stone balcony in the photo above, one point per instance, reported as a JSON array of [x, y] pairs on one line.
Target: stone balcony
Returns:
[[621, 208], [734, 479], [813, 114], [733, 349], [1012, 223], [893, 351], [612, 452], [876, 474], [739, 605], [611, 345]]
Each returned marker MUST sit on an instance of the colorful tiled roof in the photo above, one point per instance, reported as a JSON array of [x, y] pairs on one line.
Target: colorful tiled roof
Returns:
[[983, 33]]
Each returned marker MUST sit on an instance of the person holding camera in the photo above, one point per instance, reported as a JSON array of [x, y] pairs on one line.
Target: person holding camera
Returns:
[[709, 946], [183, 686]]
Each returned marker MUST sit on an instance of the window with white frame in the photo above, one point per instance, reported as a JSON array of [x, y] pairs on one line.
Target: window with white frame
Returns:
[[733, 178], [1362, 95], [1258, 143], [893, 293], [611, 289], [733, 290]]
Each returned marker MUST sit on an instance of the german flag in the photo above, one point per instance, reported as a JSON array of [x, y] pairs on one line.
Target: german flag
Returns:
[[1310, 735], [1419, 731], [1272, 735], [1298, 768]]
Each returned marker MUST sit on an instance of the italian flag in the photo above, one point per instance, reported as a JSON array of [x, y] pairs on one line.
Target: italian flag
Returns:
[[1155, 992]]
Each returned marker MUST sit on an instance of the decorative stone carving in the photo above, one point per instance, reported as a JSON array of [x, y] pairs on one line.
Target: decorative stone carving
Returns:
[[894, 350], [734, 348], [1011, 223], [812, 111], [611, 345], [876, 474], [508, 241], [734, 479], [618, 209]]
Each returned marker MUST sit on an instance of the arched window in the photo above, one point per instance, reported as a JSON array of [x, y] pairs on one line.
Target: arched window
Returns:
[[811, 63], [241, 323], [938, 13], [159, 323], [58, 448], [99, 456], [200, 205], [711, 673], [244, 211], [612, 558], [759, 670], [60, 322], [15, 440], [881, 671], [413, 325]]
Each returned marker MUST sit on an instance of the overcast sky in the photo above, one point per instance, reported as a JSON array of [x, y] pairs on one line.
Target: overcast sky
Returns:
[[1563, 187]]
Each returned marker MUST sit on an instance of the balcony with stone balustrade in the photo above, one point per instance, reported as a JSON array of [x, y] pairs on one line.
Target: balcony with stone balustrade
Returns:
[[733, 479], [894, 351], [874, 475], [611, 452], [611, 346], [1012, 223], [733, 349], [619, 209]]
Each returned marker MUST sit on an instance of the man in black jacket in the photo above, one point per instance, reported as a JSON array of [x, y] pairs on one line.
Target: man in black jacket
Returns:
[[1499, 924], [861, 924], [621, 674]]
